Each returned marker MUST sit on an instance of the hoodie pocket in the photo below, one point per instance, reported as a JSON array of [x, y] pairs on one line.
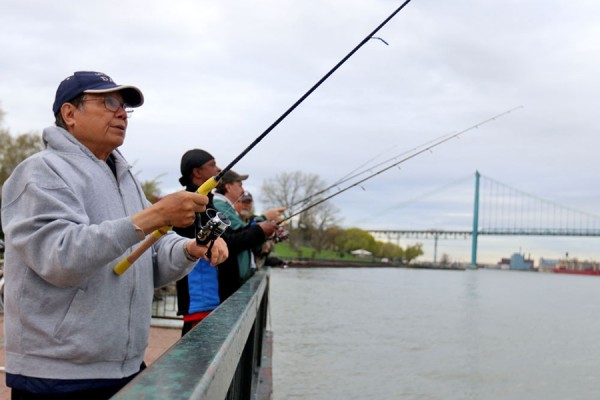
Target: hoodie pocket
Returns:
[[74, 317]]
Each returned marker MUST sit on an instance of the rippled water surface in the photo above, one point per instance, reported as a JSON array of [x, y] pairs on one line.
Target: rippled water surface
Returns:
[[416, 334]]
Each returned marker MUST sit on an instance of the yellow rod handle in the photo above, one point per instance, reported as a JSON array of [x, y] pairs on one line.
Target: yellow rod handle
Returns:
[[128, 261]]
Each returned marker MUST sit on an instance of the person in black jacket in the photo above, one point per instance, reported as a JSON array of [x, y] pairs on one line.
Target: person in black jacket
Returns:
[[198, 292]]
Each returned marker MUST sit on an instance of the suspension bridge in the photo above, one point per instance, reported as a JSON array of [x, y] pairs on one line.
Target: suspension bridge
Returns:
[[501, 210]]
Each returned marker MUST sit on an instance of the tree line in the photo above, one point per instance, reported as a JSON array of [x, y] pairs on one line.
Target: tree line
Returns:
[[319, 227]]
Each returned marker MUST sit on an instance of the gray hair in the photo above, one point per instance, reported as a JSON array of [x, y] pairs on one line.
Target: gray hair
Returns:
[[59, 121]]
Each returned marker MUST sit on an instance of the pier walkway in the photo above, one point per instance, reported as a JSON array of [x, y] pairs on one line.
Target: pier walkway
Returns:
[[161, 338]]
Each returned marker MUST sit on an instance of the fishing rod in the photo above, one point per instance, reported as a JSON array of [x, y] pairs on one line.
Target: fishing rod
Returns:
[[356, 169], [211, 183], [427, 148], [353, 175]]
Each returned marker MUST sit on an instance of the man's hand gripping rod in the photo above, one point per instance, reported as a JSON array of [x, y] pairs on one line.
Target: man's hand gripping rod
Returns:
[[125, 263]]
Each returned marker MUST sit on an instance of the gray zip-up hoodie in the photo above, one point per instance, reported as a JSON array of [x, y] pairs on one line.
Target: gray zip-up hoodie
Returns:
[[67, 223]]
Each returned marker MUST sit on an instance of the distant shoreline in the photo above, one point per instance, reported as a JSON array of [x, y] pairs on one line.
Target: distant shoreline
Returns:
[[365, 264]]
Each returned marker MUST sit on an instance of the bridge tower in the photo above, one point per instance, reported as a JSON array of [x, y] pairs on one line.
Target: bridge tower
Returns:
[[475, 222]]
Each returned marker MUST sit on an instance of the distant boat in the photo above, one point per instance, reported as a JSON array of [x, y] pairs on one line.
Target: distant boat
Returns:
[[576, 272]]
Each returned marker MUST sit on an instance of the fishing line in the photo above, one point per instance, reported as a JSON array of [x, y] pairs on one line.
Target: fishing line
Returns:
[[340, 180], [349, 177], [210, 184], [417, 198], [428, 148]]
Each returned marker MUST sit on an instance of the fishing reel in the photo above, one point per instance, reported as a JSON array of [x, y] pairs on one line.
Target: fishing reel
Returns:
[[211, 227], [280, 234]]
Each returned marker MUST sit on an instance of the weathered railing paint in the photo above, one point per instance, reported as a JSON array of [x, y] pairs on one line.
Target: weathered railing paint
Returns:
[[218, 359]]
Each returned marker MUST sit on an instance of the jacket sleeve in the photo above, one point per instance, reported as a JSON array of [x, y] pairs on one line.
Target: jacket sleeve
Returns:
[[169, 260], [245, 238], [49, 229]]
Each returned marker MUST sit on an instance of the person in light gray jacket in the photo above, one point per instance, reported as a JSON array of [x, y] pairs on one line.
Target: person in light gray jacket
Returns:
[[75, 329]]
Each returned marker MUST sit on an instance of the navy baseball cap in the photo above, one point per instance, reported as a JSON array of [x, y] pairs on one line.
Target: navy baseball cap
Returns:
[[246, 196], [94, 82]]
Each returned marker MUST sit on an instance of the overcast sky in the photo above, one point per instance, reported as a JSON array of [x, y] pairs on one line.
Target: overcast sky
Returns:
[[216, 74]]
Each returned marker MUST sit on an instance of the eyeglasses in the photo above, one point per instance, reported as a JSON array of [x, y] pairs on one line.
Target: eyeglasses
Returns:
[[113, 105]]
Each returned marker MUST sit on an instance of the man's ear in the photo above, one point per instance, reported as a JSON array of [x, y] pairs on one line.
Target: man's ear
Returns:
[[196, 173], [67, 110]]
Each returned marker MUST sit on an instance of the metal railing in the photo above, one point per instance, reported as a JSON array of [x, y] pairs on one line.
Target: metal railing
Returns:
[[218, 359], [164, 303]]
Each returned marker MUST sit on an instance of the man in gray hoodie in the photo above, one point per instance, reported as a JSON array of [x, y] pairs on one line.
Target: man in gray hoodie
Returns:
[[75, 329]]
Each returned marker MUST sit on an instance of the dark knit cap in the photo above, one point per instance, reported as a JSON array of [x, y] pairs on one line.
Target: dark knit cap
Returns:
[[194, 158]]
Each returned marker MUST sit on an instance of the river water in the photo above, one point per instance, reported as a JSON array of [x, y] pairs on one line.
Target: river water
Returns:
[[383, 333]]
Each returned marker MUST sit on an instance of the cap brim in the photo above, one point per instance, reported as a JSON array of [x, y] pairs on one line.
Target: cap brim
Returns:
[[131, 94], [243, 177]]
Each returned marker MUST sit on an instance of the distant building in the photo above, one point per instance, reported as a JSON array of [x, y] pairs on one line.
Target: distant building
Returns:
[[517, 262], [504, 263], [547, 265], [361, 253]]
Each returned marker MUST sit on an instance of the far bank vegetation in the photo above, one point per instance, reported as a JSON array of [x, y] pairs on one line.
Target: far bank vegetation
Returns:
[[316, 233]]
